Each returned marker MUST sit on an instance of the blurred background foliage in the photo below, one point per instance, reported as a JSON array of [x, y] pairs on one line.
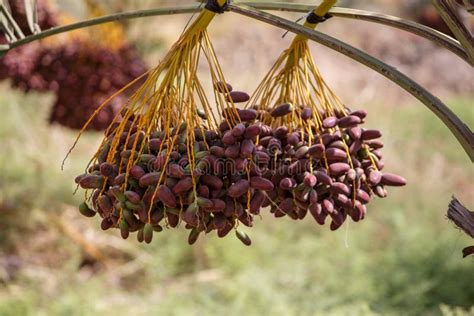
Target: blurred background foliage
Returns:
[[404, 259]]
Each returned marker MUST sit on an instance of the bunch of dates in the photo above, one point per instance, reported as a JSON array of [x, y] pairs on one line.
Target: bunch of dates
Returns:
[[81, 74], [23, 56], [230, 175], [332, 174]]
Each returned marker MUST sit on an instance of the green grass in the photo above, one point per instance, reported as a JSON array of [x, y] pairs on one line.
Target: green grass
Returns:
[[404, 259], [31, 178]]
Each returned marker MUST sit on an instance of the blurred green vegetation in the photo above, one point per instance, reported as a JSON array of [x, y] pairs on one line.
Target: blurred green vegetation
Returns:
[[404, 259]]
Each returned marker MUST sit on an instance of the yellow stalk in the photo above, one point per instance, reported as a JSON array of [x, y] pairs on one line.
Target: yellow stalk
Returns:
[[295, 79], [320, 11]]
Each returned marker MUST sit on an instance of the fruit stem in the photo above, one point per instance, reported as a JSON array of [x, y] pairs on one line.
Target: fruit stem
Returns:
[[320, 11]]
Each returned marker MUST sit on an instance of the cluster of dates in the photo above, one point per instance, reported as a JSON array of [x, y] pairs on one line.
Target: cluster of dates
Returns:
[[332, 174], [81, 74], [165, 186], [233, 173], [23, 56], [86, 77]]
